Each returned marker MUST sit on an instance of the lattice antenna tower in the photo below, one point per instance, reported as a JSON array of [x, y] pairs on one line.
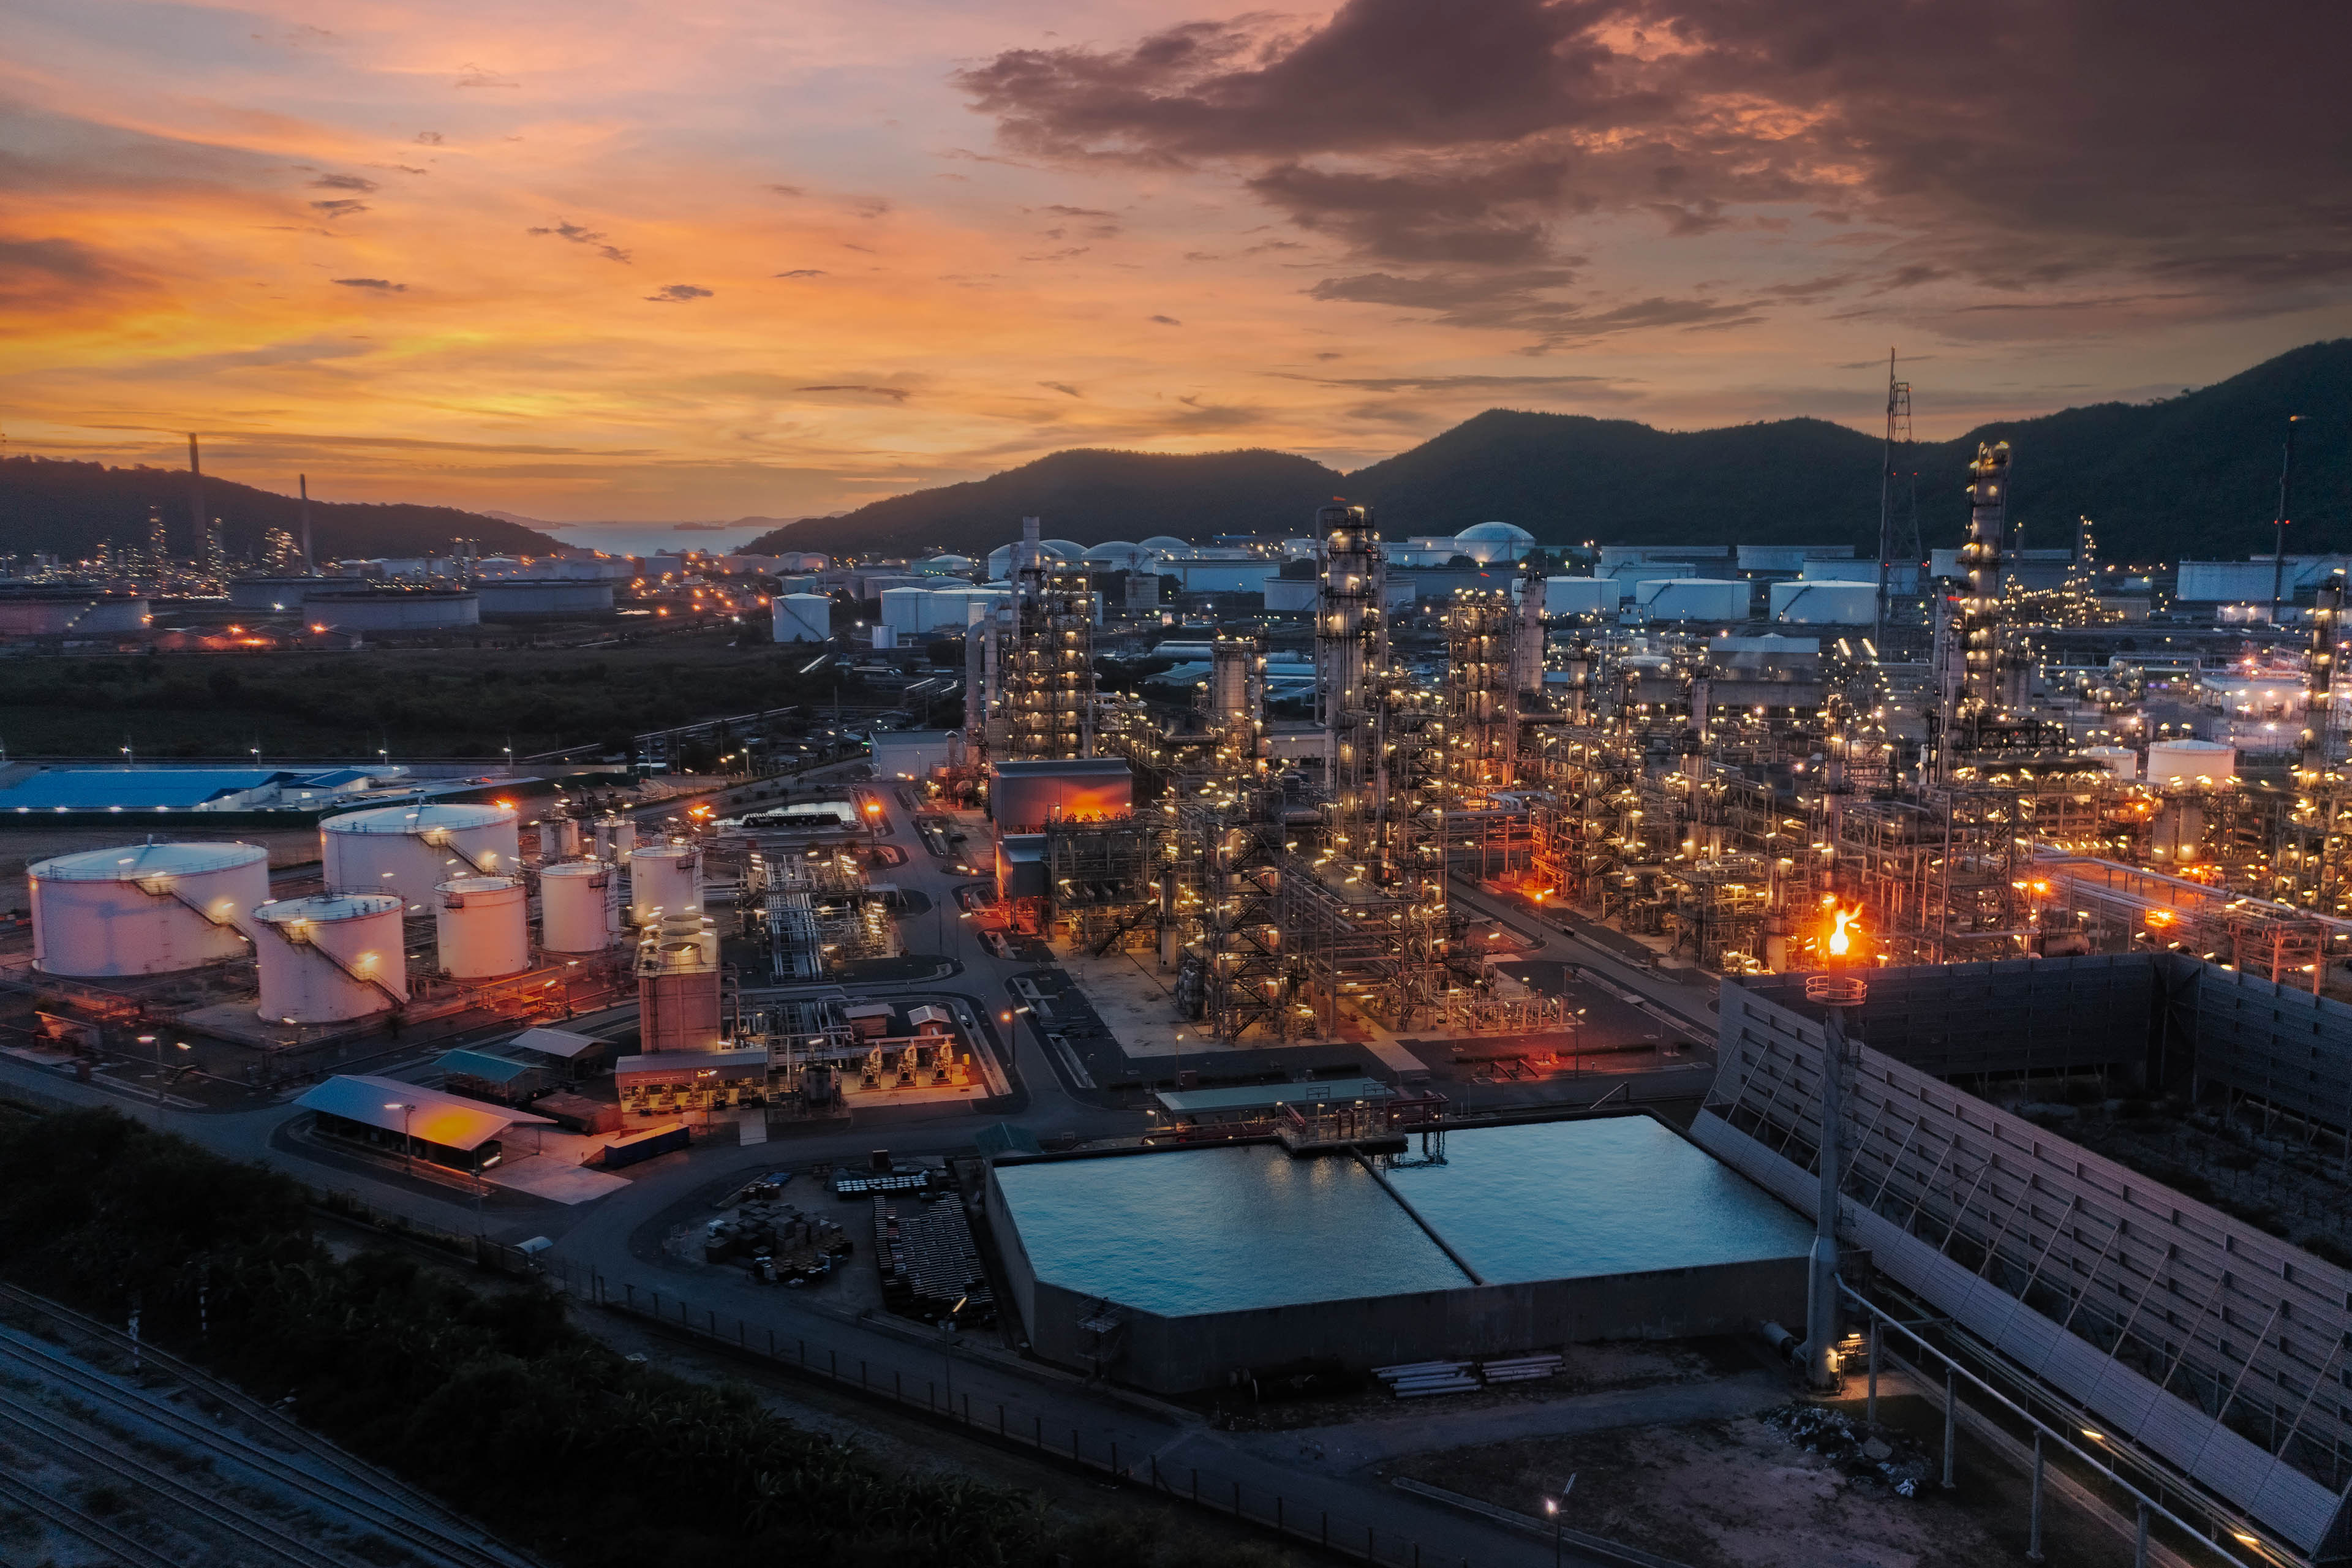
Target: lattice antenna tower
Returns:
[[1898, 492]]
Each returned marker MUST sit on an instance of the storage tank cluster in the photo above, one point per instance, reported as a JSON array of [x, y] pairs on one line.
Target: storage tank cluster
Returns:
[[339, 955]]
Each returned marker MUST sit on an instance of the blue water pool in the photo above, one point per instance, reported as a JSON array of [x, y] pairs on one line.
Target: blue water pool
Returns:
[[1219, 1230], [1568, 1200]]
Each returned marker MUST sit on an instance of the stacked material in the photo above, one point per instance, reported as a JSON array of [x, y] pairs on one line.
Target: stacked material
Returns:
[[776, 1242], [1519, 1369], [930, 1267], [1414, 1379], [1411, 1380]]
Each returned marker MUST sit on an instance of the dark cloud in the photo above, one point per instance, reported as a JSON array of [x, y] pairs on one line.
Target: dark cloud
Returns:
[[1058, 210], [870, 207], [347, 208], [803, 272], [587, 237], [475, 75], [430, 138], [1063, 387], [1589, 385], [379, 285], [344, 183], [895, 394], [1526, 301], [2008, 145], [702, 527], [1167, 320], [678, 294], [785, 190], [58, 273]]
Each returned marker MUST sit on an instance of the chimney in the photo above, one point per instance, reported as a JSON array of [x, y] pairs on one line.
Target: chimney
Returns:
[[196, 497]]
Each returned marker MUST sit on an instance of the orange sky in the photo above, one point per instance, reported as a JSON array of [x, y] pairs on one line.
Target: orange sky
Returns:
[[606, 260]]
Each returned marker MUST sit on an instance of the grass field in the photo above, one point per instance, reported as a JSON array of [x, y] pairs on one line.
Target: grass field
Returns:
[[430, 702]]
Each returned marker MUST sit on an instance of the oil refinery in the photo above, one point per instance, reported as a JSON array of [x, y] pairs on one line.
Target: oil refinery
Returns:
[[1443, 954]]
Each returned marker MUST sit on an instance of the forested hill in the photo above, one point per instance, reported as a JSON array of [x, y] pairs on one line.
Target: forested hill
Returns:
[[66, 507], [2194, 474], [1085, 494]]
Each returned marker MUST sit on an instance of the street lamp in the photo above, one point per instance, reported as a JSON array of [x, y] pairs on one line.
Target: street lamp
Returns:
[[150, 1042], [407, 1159]]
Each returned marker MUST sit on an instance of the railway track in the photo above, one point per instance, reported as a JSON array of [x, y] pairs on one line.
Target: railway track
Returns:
[[350, 1486], [96, 1532], [274, 1545]]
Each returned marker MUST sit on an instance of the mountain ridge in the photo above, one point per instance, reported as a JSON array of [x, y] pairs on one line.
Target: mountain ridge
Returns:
[[2194, 473], [67, 507]]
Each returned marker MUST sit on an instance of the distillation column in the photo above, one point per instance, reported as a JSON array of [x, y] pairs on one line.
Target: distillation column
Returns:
[[1351, 646], [1981, 682], [1047, 673], [1481, 694], [1527, 662], [2320, 694]]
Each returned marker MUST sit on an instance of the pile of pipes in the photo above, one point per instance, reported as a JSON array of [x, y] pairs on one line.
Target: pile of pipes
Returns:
[[1413, 1378]]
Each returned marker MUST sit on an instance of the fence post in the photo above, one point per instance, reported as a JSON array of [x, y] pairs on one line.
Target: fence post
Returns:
[[2033, 1538], [1951, 1421], [1871, 1414]]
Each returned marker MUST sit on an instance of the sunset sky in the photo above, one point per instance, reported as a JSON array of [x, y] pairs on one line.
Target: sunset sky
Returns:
[[604, 259]]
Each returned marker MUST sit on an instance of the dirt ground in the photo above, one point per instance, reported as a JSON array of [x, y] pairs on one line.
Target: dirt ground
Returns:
[[1741, 1494], [1586, 1369]]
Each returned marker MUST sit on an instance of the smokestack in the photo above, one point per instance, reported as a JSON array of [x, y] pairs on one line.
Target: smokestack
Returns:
[[303, 480], [196, 497]]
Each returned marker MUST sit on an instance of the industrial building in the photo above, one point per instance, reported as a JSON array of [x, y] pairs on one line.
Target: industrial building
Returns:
[[1177, 1270]]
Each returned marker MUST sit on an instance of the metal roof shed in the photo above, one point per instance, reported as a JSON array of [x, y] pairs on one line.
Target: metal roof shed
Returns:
[[449, 1119], [561, 1043]]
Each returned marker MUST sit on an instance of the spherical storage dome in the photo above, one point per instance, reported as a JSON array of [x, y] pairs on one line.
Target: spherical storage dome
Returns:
[[1062, 549], [1112, 550], [1163, 542], [1490, 542]]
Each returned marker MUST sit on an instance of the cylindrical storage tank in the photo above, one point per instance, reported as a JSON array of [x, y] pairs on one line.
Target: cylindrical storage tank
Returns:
[[802, 618], [409, 850], [402, 610], [2120, 761], [1692, 599], [904, 610], [330, 958], [558, 838], [481, 927], [579, 906], [1812, 604], [615, 837], [1581, 596], [2186, 761], [145, 910], [664, 877]]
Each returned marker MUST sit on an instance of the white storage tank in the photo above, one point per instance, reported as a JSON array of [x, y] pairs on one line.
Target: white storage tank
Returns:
[[666, 876], [614, 838], [1289, 595], [2121, 762], [558, 838], [1692, 599], [395, 610], [1582, 595], [145, 910], [1818, 604], [409, 850], [579, 906], [802, 618], [481, 927], [330, 958], [2186, 761], [905, 610]]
